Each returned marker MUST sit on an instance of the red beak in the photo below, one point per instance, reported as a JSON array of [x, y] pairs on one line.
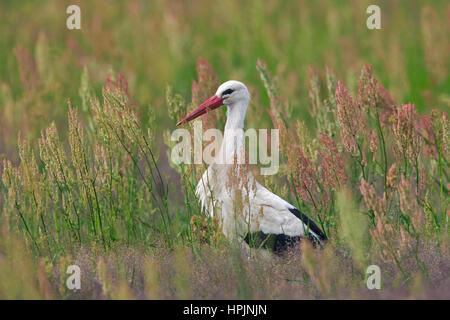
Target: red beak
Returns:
[[212, 103]]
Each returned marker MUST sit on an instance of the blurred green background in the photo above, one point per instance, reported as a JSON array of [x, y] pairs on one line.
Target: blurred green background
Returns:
[[156, 43]]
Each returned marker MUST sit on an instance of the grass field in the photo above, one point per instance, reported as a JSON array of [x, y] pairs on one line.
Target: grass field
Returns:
[[85, 123]]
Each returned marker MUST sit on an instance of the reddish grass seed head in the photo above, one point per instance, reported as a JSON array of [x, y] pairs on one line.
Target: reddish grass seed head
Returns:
[[349, 116], [406, 132], [332, 164]]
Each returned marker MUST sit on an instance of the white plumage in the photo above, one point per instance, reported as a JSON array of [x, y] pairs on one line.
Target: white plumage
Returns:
[[227, 190]]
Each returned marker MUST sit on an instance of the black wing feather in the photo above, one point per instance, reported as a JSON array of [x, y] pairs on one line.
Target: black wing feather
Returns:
[[281, 242], [278, 243], [309, 223]]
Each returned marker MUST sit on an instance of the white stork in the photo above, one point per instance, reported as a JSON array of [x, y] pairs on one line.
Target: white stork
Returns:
[[246, 209]]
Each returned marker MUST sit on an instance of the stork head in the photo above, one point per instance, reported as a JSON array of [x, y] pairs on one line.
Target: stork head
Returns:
[[231, 93]]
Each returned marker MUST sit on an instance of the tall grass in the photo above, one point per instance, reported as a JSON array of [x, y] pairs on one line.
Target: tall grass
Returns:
[[375, 188]]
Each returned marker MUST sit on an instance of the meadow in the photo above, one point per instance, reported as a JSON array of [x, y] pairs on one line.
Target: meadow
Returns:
[[85, 123]]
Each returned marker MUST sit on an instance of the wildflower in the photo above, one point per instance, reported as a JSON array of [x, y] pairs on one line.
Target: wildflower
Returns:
[[391, 179], [373, 143], [175, 102], [349, 116], [53, 155], [306, 182], [371, 199], [405, 128], [119, 83], [332, 165], [385, 106], [324, 111], [314, 89], [76, 141], [422, 181], [435, 133], [372, 94], [202, 89], [207, 82], [279, 124], [429, 136], [101, 163], [368, 87], [383, 235], [408, 203], [306, 142], [404, 242], [270, 83], [305, 175], [11, 179], [385, 232]]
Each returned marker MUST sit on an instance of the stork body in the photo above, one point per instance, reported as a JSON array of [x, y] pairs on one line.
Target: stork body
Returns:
[[245, 209]]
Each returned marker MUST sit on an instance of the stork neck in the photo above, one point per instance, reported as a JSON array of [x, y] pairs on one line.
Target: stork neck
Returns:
[[233, 136], [236, 115]]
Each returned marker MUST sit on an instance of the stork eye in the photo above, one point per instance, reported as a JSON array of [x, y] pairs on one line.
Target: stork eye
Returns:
[[228, 91]]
